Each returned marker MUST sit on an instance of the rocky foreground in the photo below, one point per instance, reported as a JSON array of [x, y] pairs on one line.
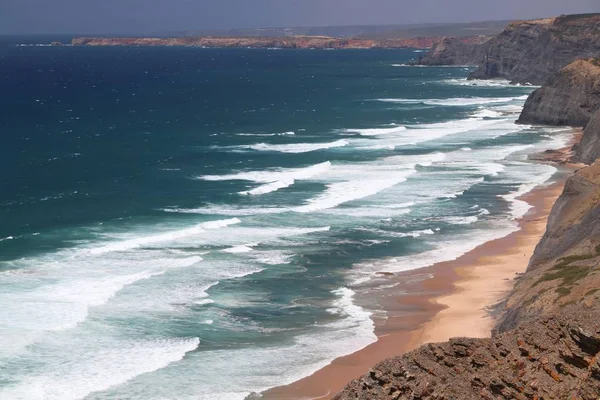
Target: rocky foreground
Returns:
[[552, 358], [288, 42]]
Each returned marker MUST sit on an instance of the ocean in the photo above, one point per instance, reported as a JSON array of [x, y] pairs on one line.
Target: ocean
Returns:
[[185, 223]]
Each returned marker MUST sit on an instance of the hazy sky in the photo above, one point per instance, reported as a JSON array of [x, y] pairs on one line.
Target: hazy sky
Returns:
[[144, 16]]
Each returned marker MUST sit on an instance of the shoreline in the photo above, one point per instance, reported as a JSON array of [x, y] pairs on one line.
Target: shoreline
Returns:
[[448, 299]]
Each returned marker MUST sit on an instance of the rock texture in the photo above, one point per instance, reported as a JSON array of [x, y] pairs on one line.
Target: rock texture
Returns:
[[551, 358], [288, 42], [454, 51], [589, 149], [532, 51], [570, 97]]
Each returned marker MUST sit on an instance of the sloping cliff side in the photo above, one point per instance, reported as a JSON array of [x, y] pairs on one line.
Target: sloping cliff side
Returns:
[[569, 98], [565, 267], [454, 51], [532, 51], [288, 42], [589, 149], [552, 358]]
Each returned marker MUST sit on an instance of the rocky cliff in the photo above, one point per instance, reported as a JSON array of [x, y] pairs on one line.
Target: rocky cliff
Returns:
[[532, 51], [570, 97], [288, 42], [589, 149], [454, 51], [551, 358]]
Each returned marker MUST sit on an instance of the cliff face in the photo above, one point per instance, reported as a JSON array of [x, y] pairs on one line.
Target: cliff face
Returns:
[[454, 51], [288, 42], [569, 98], [552, 358], [589, 148], [565, 267], [532, 51]]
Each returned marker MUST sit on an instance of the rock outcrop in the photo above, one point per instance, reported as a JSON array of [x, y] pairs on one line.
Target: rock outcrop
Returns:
[[288, 42], [532, 51], [589, 149], [570, 97], [454, 51], [551, 358]]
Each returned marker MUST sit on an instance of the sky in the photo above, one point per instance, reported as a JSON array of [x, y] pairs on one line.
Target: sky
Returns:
[[148, 16]]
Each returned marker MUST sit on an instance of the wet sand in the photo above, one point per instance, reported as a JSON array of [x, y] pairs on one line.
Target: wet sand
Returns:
[[448, 299]]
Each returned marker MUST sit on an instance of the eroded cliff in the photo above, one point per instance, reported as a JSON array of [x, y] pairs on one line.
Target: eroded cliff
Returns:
[[551, 358], [589, 149], [453, 51], [570, 97], [532, 51]]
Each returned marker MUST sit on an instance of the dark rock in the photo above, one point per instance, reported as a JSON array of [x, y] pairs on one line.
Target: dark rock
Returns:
[[494, 368], [532, 51], [569, 98], [454, 51], [588, 150]]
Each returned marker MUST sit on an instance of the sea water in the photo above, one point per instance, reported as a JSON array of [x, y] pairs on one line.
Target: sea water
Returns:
[[180, 223]]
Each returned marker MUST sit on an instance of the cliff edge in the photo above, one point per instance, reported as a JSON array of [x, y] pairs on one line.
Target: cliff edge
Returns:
[[532, 51], [570, 97], [454, 51], [552, 358], [589, 149]]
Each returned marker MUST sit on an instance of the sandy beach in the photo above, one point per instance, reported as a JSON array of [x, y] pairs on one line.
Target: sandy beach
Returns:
[[448, 299]]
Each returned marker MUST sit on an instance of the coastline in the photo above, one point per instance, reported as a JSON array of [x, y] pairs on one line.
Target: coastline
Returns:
[[449, 299]]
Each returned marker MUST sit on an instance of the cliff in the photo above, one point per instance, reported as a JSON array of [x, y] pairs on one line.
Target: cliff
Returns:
[[552, 358], [288, 42], [589, 149], [570, 97], [532, 51], [454, 51]]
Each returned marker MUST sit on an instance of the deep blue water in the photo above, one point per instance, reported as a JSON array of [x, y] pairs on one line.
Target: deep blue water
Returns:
[[188, 223]]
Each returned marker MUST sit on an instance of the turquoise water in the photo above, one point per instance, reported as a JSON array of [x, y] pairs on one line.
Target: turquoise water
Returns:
[[193, 223]]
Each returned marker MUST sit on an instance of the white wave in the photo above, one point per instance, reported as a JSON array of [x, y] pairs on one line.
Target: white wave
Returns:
[[267, 134], [88, 370], [169, 236], [62, 306], [274, 179], [228, 211], [294, 147], [529, 177], [7, 238], [343, 192], [269, 187], [351, 331], [241, 248], [445, 250], [377, 131], [457, 101], [486, 113], [460, 220], [414, 234], [271, 175], [500, 83]]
